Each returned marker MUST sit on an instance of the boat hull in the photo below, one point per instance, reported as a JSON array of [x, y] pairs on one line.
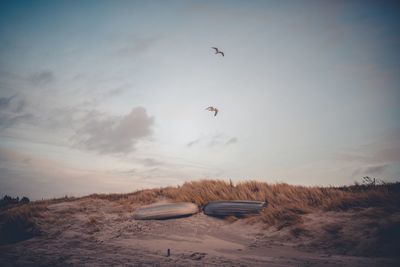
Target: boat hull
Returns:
[[165, 211], [238, 208]]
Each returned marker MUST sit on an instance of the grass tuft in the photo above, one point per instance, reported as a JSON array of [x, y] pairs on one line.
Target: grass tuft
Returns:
[[20, 223]]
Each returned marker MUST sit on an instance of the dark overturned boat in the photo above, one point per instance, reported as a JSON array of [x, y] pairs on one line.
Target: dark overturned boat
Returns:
[[165, 211], [238, 208]]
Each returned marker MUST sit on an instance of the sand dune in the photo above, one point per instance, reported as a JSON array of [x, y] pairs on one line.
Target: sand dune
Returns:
[[100, 232]]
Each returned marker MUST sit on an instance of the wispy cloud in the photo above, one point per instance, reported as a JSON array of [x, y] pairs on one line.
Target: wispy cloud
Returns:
[[116, 91], [5, 101], [12, 103], [382, 151], [213, 140], [138, 45], [192, 143], [42, 78], [8, 121], [375, 158], [38, 177], [152, 162], [114, 134], [371, 170], [233, 140], [12, 111], [8, 156]]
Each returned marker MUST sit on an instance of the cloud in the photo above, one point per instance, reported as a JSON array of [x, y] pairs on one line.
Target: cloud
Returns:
[[8, 156], [114, 134], [42, 78], [42, 177], [380, 155], [5, 101], [192, 143], [212, 141], [12, 111], [129, 172], [12, 103], [8, 121], [377, 158], [116, 91], [221, 139], [233, 140], [152, 162], [371, 170], [138, 46], [388, 154], [387, 150]]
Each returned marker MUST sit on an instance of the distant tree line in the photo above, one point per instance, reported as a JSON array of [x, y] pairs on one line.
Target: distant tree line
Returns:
[[7, 200]]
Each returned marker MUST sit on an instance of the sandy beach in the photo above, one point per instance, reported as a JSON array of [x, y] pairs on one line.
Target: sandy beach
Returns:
[[268, 131], [97, 232]]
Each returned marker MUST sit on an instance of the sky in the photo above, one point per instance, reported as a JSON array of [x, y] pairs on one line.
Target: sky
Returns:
[[110, 96]]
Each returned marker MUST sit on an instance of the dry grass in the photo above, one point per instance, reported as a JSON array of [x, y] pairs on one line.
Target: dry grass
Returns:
[[93, 224], [20, 222], [333, 228], [141, 197], [300, 230], [287, 204], [281, 194]]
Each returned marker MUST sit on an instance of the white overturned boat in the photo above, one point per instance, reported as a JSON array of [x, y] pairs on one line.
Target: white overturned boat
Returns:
[[237, 208], [165, 211]]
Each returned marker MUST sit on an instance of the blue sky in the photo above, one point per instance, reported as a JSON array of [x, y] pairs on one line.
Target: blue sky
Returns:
[[109, 96]]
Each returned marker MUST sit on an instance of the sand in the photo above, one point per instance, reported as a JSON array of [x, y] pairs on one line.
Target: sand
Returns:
[[95, 232]]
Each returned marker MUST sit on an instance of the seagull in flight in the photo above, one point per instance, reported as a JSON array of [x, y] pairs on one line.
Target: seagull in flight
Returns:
[[213, 109], [217, 51]]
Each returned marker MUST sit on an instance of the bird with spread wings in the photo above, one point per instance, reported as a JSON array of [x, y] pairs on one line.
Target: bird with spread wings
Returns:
[[211, 108], [217, 51], [215, 110]]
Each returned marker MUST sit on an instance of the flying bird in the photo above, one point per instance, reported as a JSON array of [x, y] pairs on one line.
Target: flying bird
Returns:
[[217, 51], [213, 109]]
